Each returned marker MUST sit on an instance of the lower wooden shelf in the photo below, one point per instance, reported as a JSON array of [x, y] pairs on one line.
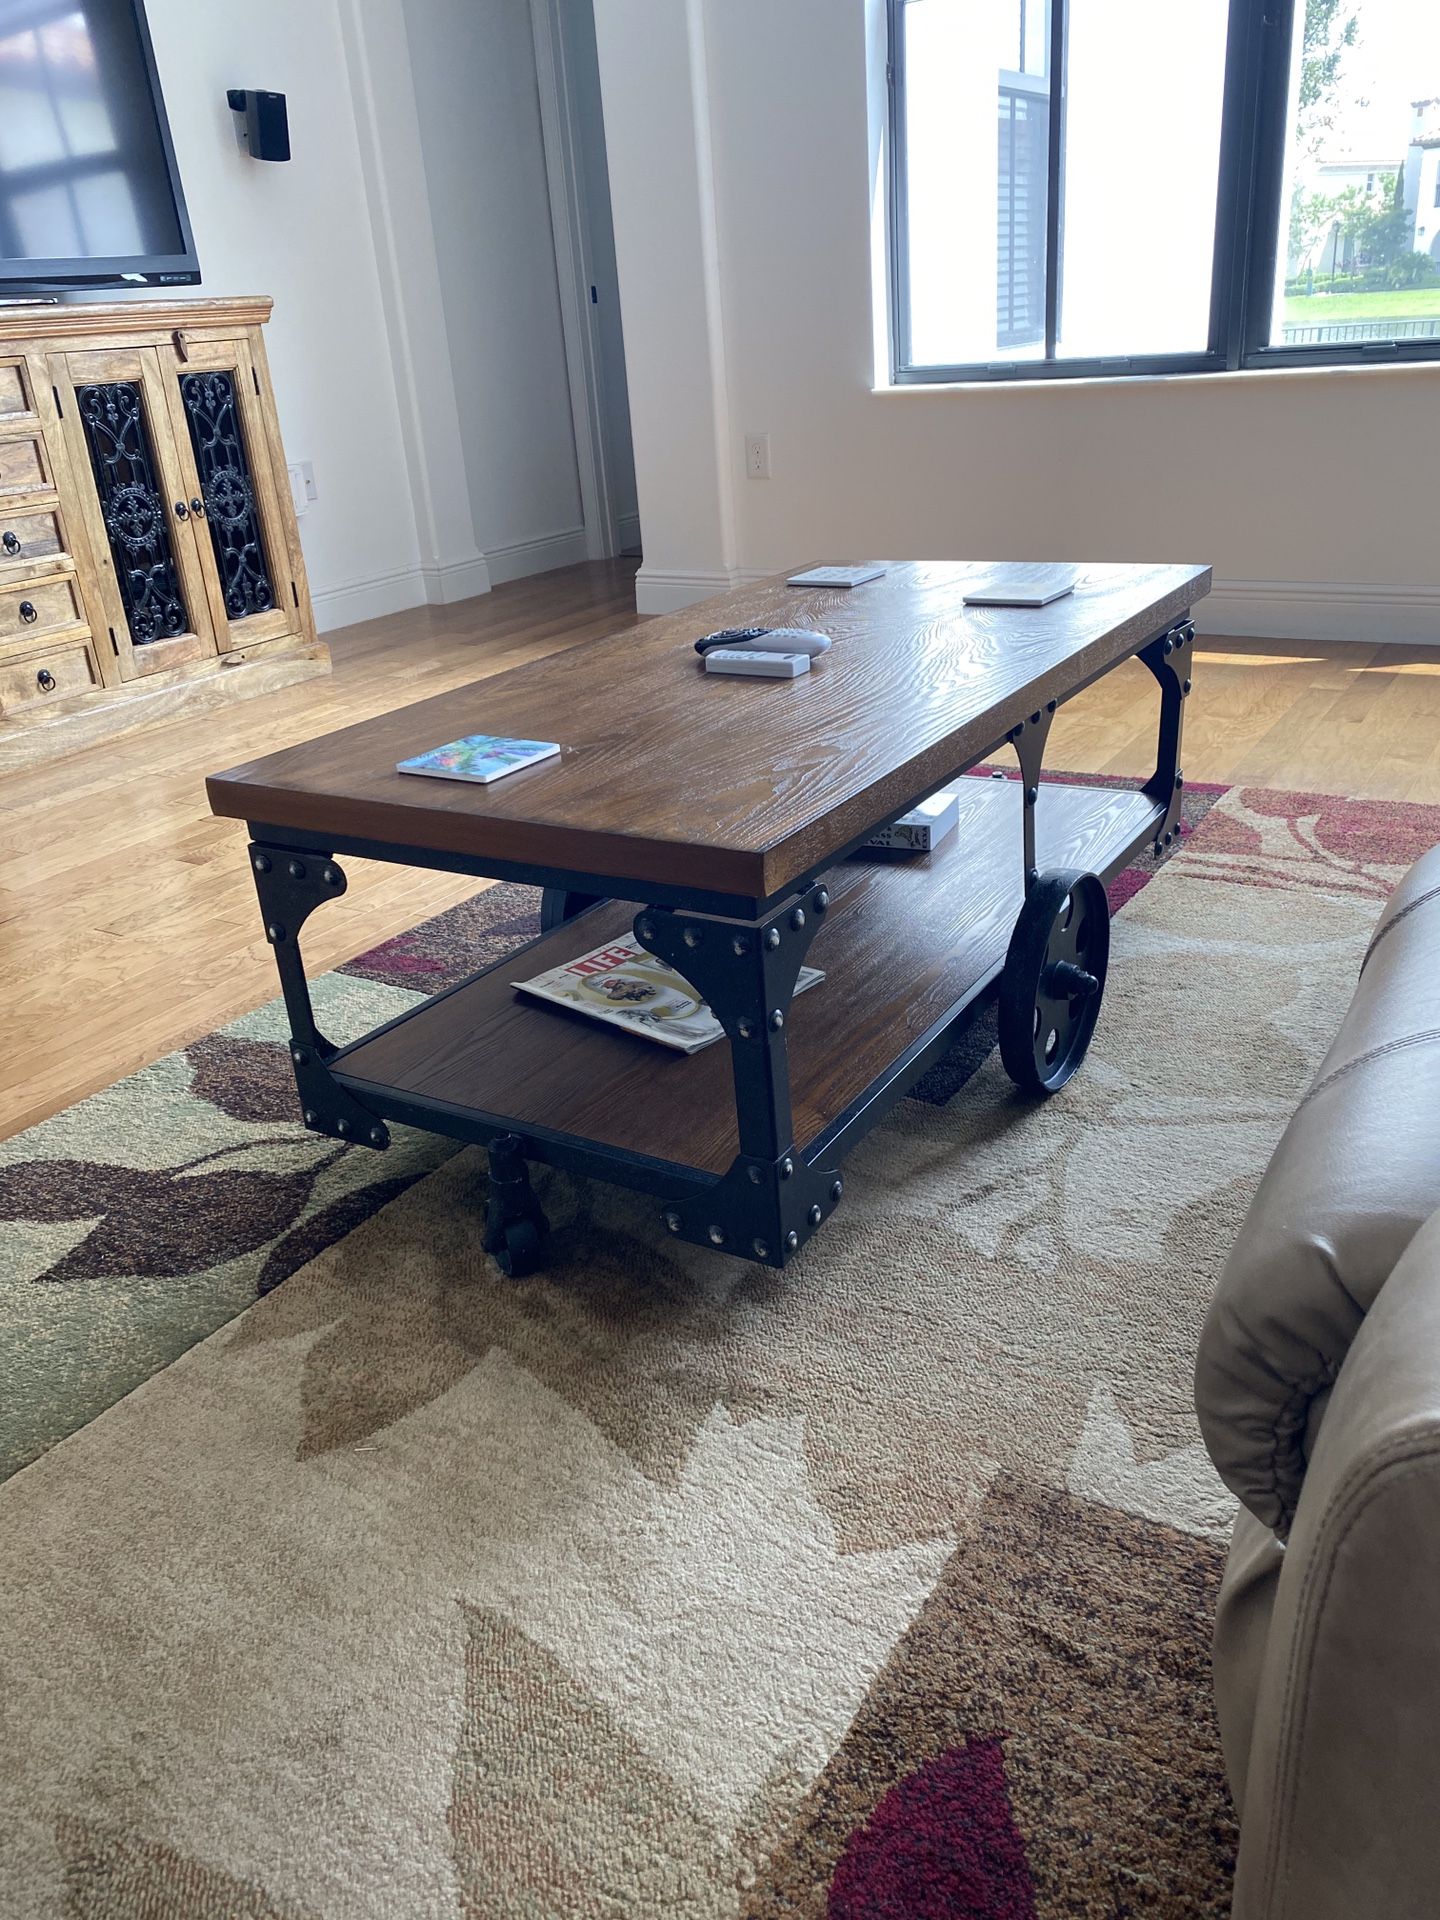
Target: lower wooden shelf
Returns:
[[906, 944]]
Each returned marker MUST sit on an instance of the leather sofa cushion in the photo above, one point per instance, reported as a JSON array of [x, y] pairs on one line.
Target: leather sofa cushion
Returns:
[[1355, 1175]]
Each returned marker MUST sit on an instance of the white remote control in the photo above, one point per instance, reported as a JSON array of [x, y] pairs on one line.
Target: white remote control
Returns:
[[764, 666]]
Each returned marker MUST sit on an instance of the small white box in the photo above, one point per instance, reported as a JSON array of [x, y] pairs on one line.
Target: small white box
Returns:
[[923, 828], [836, 576], [760, 666]]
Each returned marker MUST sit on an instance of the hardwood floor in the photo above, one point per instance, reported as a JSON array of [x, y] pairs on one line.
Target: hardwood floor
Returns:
[[128, 923]]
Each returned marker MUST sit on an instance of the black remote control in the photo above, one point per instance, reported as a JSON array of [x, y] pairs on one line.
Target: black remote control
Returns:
[[729, 637]]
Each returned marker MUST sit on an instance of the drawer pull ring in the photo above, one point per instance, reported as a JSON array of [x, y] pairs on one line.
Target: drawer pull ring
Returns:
[[182, 512], [197, 507], [11, 542], [45, 680], [28, 613]]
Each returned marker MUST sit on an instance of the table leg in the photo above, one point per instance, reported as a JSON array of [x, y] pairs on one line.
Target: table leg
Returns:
[[1171, 659], [291, 884], [557, 906], [770, 1200], [1028, 739]]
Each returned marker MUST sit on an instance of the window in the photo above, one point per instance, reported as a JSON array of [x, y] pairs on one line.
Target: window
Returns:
[[1177, 185]]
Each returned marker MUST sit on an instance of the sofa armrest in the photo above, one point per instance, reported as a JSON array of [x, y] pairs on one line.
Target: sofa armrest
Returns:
[[1342, 1800], [1354, 1178]]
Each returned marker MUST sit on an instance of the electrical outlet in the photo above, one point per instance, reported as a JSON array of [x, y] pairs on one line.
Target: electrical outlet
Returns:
[[303, 490], [757, 456]]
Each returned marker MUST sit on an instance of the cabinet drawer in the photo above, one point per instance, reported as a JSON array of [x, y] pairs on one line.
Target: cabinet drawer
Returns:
[[38, 606], [32, 535], [14, 393], [47, 675], [23, 467]]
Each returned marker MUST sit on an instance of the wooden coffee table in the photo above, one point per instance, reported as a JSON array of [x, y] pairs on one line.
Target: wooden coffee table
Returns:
[[728, 810]]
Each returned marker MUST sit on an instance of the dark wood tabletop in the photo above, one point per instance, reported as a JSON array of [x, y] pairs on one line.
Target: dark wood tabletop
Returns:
[[733, 786]]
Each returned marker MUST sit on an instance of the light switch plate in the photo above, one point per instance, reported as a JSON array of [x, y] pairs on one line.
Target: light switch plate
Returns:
[[302, 485]]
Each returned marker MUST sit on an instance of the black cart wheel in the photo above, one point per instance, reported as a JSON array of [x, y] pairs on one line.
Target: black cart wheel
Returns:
[[1053, 980], [515, 1224], [520, 1250]]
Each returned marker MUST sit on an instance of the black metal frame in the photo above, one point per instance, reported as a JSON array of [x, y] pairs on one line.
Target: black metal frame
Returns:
[[1247, 223], [743, 957], [291, 885]]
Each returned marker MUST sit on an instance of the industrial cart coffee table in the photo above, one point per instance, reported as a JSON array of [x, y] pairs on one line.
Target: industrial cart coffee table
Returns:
[[726, 811]]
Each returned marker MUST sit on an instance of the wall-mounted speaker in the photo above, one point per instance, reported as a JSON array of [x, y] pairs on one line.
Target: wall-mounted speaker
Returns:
[[267, 128]]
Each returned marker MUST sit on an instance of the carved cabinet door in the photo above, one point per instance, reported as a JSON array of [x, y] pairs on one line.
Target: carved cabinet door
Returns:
[[116, 420], [213, 391]]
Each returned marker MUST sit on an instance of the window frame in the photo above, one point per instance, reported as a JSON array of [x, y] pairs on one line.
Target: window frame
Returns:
[[1247, 224]]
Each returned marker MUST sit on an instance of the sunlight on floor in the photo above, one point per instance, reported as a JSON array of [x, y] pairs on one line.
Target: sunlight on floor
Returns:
[[1381, 666]]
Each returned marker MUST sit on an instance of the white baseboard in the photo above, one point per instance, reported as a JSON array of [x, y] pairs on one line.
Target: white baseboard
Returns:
[[1299, 610], [368, 599], [1321, 610], [523, 557], [454, 580], [445, 583], [664, 590]]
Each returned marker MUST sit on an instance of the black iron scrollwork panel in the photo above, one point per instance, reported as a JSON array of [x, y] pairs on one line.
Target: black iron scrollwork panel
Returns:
[[133, 510], [228, 493]]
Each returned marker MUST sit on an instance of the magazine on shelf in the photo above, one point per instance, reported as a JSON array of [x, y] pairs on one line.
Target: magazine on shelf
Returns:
[[623, 985]]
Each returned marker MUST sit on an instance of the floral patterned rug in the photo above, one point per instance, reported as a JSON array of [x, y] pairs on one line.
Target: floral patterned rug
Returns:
[[657, 1584]]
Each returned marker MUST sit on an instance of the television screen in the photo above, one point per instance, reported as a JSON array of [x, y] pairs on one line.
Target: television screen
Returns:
[[88, 186]]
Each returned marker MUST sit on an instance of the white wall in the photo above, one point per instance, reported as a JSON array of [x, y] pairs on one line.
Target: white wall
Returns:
[[1310, 493], [301, 232], [479, 117], [424, 377], [656, 99], [392, 164], [578, 32]]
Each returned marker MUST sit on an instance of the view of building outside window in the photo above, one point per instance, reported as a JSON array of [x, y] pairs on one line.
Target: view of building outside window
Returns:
[[1137, 227], [1360, 220]]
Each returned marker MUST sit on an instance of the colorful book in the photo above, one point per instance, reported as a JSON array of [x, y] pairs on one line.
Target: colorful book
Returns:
[[481, 757], [627, 987]]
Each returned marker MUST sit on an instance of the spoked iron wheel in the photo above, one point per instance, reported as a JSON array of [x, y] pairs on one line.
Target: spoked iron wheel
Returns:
[[1053, 980]]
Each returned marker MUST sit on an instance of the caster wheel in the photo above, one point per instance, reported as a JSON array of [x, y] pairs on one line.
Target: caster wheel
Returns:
[[1053, 980], [520, 1250]]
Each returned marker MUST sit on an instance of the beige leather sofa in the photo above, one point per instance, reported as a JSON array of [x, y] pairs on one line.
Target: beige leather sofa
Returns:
[[1318, 1391]]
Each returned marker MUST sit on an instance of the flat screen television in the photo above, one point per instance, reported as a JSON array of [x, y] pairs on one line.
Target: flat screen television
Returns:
[[89, 191]]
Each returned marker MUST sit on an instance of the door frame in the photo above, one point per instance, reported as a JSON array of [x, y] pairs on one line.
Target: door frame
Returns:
[[570, 226]]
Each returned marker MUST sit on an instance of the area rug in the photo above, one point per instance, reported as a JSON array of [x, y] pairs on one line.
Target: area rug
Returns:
[[143, 1218], [657, 1584]]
